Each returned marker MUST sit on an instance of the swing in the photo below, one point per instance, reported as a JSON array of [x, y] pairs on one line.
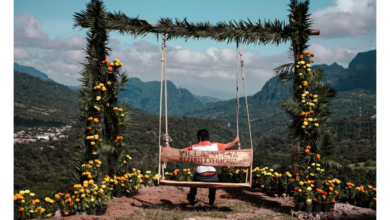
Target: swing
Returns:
[[238, 158]]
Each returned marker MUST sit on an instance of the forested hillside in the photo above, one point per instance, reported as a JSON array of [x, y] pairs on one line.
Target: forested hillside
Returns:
[[40, 102], [146, 95], [31, 71]]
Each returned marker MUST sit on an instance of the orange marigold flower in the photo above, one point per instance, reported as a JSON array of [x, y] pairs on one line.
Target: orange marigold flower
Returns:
[[293, 203], [300, 87], [89, 128], [323, 197], [333, 201], [312, 54], [96, 120], [21, 209], [318, 156], [312, 61], [335, 192], [107, 61], [301, 56], [311, 111], [109, 69], [331, 188], [307, 151], [103, 61], [15, 198], [66, 213], [374, 189], [375, 199], [315, 200], [308, 147], [303, 114]]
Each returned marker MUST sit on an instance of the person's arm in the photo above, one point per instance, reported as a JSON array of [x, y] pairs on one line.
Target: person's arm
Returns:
[[231, 144]]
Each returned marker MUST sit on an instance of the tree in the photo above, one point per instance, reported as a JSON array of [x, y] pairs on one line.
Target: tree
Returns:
[[102, 81]]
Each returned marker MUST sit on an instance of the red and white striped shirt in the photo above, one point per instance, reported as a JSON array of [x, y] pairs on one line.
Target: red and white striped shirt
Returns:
[[206, 146]]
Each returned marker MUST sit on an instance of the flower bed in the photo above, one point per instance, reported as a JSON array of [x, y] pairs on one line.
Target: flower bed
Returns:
[[81, 197]]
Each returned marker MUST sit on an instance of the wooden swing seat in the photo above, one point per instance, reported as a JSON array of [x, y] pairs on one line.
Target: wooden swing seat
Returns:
[[237, 158], [204, 184]]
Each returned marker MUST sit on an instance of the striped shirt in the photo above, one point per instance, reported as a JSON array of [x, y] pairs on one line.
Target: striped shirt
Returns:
[[206, 146]]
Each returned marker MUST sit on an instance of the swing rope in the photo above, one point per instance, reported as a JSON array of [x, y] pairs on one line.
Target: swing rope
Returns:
[[166, 136], [238, 144], [246, 99], [161, 88]]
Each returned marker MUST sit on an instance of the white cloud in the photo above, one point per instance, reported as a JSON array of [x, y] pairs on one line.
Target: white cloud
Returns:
[[21, 53], [340, 55], [74, 42], [346, 18], [28, 31]]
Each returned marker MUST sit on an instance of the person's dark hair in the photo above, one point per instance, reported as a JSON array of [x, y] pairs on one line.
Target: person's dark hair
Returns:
[[203, 134]]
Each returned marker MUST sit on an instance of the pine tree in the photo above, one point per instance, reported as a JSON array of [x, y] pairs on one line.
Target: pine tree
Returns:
[[102, 81]]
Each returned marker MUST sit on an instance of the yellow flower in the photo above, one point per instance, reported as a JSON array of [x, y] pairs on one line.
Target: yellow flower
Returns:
[[300, 74], [310, 119], [297, 66], [48, 215], [316, 124], [32, 194], [104, 89], [308, 69], [315, 119], [305, 123], [109, 83], [116, 63], [98, 98], [315, 100], [309, 189], [27, 191], [284, 195], [300, 183], [92, 200], [121, 64], [303, 126], [83, 195], [23, 201], [108, 104], [303, 101], [90, 162], [308, 65], [299, 190], [315, 96]]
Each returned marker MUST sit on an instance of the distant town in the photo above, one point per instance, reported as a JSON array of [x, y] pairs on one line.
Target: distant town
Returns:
[[34, 134]]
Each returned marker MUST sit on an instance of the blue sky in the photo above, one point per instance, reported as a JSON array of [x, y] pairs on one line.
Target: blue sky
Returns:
[[53, 47]]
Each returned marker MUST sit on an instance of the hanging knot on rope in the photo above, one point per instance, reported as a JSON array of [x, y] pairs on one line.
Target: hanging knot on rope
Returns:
[[167, 139], [242, 62], [243, 77]]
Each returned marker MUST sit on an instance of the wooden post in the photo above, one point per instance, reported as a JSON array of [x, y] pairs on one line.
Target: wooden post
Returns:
[[296, 146]]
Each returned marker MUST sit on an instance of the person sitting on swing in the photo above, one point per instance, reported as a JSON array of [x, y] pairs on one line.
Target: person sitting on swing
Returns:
[[207, 173]]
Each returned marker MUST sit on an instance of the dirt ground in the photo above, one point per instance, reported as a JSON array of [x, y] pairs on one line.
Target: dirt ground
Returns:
[[169, 202]]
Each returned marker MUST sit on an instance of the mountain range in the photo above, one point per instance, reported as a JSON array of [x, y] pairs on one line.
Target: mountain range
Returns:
[[356, 87]]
